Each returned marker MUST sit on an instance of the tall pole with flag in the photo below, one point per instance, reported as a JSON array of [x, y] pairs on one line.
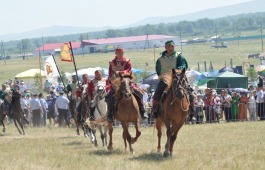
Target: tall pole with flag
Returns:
[[68, 55], [40, 69]]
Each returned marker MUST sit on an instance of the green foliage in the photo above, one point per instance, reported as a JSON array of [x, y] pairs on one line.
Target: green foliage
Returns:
[[37, 83], [252, 74]]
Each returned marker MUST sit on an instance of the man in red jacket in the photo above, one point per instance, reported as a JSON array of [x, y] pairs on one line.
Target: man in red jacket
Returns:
[[121, 65], [92, 90]]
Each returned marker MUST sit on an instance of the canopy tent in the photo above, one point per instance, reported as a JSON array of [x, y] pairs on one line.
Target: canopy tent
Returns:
[[29, 75], [227, 68], [152, 80], [227, 80]]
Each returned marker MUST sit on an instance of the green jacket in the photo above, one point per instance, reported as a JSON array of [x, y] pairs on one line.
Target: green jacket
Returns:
[[166, 63], [2, 94]]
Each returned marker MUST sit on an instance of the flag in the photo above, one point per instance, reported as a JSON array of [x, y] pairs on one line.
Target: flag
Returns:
[[66, 52], [50, 69]]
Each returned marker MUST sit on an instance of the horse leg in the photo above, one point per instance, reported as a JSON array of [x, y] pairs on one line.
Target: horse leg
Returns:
[[21, 126], [138, 132], [4, 126], [77, 128], [110, 147], [15, 122], [129, 138], [159, 134], [166, 152], [95, 140], [124, 135], [105, 135], [175, 130], [101, 134]]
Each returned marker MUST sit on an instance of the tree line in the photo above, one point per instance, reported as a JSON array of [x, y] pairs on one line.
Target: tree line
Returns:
[[225, 26]]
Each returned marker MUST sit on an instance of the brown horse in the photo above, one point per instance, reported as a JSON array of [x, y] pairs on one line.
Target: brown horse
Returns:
[[2, 117], [127, 110], [174, 109], [17, 112]]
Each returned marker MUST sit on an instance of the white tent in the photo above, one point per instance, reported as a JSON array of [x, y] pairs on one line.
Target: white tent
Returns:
[[29, 75]]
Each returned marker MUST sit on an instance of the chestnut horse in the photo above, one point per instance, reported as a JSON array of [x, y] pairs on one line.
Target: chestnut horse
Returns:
[[174, 109], [127, 110]]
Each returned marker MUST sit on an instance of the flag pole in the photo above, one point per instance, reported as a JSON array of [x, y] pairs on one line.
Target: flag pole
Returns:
[[40, 69], [74, 62], [58, 71]]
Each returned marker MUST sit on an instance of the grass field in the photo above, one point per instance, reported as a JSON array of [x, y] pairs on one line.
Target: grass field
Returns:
[[193, 53], [207, 146]]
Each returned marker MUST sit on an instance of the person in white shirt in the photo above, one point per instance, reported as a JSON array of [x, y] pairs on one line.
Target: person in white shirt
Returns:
[[44, 106], [260, 101], [62, 105], [22, 87], [252, 106], [36, 109]]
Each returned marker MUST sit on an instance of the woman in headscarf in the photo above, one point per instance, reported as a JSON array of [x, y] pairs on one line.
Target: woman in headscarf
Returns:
[[234, 103]]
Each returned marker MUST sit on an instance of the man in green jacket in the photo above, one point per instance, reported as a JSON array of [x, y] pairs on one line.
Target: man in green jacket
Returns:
[[164, 64]]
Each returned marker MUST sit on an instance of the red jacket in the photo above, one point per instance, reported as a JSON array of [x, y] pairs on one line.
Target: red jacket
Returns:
[[123, 66]]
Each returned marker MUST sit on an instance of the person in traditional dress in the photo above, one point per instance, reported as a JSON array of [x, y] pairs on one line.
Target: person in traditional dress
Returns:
[[252, 106], [92, 90], [234, 103], [164, 64], [118, 65], [243, 101]]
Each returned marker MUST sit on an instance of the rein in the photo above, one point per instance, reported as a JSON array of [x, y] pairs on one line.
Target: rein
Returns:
[[175, 98]]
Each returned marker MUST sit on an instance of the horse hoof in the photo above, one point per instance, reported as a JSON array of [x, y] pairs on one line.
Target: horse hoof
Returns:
[[158, 151], [4, 130], [110, 148], [96, 144], [166, 154], [78, 133], [131, 150]]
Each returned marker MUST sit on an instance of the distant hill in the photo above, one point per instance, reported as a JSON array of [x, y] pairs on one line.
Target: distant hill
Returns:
[[51, 31], [243, 8]]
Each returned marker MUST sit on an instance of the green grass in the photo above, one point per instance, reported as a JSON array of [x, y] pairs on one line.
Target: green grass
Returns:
[[193, 53], [207, 146]]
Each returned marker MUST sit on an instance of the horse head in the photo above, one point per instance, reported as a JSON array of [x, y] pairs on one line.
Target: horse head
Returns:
[[126, 85], [179, 83], [101, 91]]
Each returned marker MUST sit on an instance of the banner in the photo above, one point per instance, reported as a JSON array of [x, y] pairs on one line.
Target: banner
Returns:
[[66, 53], [50, 69]]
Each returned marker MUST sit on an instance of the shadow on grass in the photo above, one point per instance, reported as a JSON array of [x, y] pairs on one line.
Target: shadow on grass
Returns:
[[66, 137], [74, 143], [152, 157], [106, 152]]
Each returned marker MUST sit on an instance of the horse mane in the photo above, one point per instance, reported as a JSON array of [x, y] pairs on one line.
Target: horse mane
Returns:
[[168, 77]]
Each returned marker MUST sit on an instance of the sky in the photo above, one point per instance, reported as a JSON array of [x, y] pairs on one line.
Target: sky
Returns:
[[24, 15]]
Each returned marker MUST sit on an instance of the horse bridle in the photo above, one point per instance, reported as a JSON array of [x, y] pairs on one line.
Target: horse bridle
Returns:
[[125, 92], [180, 80], [100, 98]]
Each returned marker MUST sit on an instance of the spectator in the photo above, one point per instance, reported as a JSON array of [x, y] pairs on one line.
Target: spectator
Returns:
[[243, 100], [51, 110], [36, 109], [24, 105], [209, 111], [47, 85], [44, 109], [62, 104], [217, 106], [22, 87], [234, 103], [199, 104], [260, 101], [252, 106], [226, 101]]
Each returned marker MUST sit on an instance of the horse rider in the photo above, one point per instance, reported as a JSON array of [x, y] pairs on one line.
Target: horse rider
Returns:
[[120, 65], [6, 98], [169, 59], [92, 91], [72, 91]]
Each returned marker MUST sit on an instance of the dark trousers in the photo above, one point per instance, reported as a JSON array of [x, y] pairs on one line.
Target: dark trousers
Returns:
[[161, 86], [110, 99], [36, 114], [261, 111], [72, 107], [228, 113], [62, 115]]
